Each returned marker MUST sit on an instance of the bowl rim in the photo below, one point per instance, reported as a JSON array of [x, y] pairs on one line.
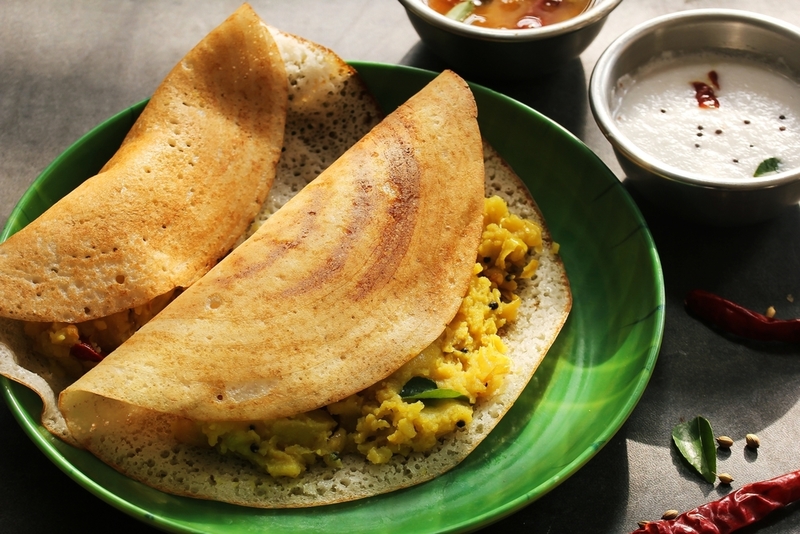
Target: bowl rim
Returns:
[[597, 10], [598, 101]]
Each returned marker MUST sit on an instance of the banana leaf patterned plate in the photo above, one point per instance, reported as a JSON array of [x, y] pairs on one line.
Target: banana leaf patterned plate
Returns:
[[584, 390]]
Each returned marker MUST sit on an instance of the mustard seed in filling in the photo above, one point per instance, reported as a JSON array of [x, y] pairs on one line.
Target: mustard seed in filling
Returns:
[[468, 359]]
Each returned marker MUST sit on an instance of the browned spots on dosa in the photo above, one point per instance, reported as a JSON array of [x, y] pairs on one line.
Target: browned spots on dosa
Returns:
[[376, 233], [395, 219], [404, 177]]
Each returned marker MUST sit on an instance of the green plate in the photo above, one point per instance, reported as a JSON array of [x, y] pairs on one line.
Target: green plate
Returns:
[[584, 390]]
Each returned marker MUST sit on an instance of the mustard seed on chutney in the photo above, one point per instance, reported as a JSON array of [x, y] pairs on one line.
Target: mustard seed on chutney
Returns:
[[510, 14]]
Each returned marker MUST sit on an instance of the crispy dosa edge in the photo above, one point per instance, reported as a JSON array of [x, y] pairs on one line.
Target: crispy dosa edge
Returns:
[[158, 460], [334, 292], [186, 183]]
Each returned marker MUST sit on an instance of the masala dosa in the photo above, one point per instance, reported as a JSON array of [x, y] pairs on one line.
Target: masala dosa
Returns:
[[139, 441], [335, 291], [329, 109], [184, 185], [187, 181]]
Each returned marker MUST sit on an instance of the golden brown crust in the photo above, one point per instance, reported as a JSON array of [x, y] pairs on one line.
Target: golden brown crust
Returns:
[[352, 278], [187, 181], [155, 457]]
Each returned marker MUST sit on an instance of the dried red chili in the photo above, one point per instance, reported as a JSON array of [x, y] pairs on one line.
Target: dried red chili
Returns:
[[736, 510], [704, 94], [84, 351], [740, 321]]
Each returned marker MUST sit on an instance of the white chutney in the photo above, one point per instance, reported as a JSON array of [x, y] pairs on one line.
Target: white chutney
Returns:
[[758, 115]]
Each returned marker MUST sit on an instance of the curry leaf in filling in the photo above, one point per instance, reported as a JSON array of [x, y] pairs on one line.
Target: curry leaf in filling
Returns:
[[421, 388]]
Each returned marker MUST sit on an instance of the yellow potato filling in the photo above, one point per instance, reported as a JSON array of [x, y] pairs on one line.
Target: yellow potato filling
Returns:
[[56, 340], [466, 363]]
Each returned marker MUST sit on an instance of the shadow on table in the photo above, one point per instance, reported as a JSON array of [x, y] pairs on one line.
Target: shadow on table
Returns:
[[740, 385], [561, 96], [595, 498]]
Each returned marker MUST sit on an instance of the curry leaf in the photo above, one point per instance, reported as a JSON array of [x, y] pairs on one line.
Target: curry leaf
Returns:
[[439, 394], [695, 441], [421, 388], [767, 166], [417, 385], [461, 11]]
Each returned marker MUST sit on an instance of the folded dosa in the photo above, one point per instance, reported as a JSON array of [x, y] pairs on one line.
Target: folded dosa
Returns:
[[329, 109], [349, 280], [187, 181], [157, 458]]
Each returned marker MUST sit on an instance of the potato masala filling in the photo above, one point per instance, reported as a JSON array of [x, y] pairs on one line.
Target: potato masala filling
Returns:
[[427, 398], [77, 347]]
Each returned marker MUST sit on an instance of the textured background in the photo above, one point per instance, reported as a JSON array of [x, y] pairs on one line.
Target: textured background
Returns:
[[66, 66]]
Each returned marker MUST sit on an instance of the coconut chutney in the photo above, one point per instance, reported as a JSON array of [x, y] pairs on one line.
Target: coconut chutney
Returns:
[[711, 114]]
